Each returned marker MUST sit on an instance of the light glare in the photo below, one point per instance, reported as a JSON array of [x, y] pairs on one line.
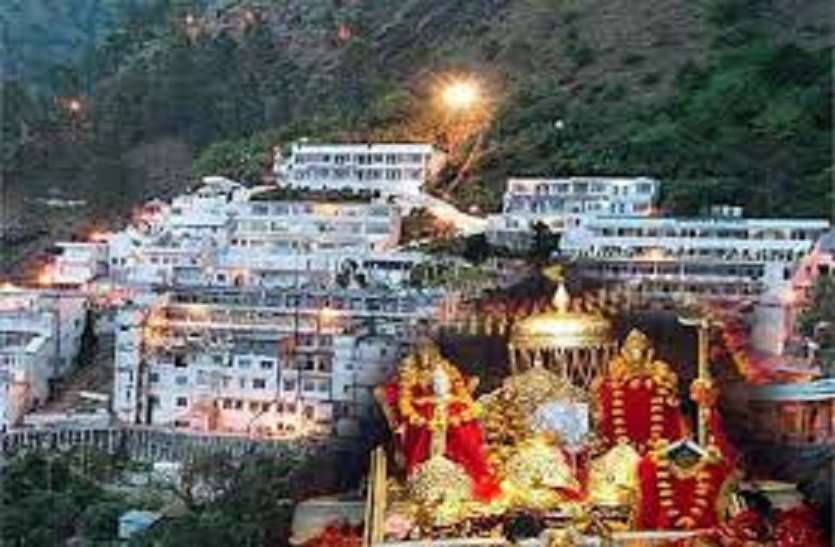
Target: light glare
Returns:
[[461, 95]]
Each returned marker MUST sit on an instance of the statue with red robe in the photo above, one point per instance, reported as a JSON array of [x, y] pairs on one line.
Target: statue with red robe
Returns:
[[414, 399], [636, 400]]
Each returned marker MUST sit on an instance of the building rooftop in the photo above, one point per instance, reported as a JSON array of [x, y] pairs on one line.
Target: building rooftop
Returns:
[[772, 222], [281, 193]]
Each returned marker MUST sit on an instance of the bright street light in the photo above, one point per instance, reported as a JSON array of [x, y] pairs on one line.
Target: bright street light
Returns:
[[461, 94]]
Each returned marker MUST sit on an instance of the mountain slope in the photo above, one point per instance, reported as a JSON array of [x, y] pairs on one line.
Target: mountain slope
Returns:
[[704, 94]]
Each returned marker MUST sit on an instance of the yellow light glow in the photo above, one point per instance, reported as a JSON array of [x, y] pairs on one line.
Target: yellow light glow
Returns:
[[74, 105], [655, 254], [461, 94], [99, 236]]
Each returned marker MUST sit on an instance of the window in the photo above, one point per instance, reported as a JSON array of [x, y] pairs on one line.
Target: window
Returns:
[[239, 404], [153, 377], [265, 407], [181, 380], [244, 363], [182, 402], [254, 406], [227, 403], [289, 385], [266, 364], [259, 383]]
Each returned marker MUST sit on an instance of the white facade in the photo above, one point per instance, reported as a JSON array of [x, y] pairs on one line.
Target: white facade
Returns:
[[77, 263], [302, 227], [244, 361], [765, 240], [24, 370], [390, 169], [40, 336], [220, 236], [731, 259], [565, 203]]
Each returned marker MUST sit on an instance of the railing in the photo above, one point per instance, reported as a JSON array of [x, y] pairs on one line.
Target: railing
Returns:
[[148, 444]]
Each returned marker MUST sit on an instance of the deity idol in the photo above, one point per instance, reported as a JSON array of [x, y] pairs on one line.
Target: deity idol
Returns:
[[433, 397], [637, 399]]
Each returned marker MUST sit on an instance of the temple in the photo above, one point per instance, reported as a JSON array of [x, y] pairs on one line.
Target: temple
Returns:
[[585, 440]]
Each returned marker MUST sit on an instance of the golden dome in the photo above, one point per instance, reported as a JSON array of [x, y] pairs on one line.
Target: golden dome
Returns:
[[561, 328]]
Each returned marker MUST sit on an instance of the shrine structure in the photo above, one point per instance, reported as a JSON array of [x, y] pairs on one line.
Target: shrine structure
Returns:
[[574, 344], [583, 441]]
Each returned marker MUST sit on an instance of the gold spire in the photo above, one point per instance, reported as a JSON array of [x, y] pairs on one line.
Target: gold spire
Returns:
[[561, 300], [560, 328]]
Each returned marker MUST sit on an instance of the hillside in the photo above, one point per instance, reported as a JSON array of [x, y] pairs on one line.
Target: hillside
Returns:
[[725, 100]]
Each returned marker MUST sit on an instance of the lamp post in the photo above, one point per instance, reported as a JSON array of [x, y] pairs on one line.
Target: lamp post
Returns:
[[702, 324], [466, 110]]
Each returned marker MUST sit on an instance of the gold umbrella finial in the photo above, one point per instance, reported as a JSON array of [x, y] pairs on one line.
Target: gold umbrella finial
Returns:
[[561, 300]]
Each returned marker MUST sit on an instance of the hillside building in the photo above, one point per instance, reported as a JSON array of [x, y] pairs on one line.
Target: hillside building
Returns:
[[722, 257], [250, 362], [388, 169], [40, 336], [565, 203]]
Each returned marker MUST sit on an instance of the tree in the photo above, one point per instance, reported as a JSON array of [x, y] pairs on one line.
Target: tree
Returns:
[[544, 242], [47, 498], [247, 502]]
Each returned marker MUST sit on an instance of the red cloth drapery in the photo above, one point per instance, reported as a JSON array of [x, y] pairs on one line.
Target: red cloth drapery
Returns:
[[671, 502], [633, 408]]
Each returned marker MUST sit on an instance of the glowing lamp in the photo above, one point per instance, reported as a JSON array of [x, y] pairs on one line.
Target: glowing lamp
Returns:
[[74, 105], [461, 94]]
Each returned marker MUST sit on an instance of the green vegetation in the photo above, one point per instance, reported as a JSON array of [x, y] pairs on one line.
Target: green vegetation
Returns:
[[247, 503], [46, 499], [729, 101]]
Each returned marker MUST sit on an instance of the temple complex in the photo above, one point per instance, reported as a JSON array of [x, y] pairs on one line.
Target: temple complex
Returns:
[[585, 441]]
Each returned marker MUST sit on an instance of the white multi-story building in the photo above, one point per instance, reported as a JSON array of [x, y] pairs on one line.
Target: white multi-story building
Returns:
[[286, 227], [718, 257], [565, 203], [389, 169], [24, 374], [151, 259], [249, 361], [226, 235], [40, 336], [76, 263]]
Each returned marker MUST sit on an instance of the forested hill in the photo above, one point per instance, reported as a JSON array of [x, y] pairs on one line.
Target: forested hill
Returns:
[[725, 100]]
